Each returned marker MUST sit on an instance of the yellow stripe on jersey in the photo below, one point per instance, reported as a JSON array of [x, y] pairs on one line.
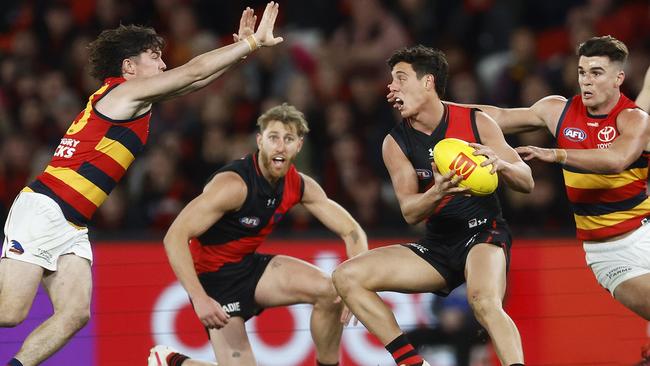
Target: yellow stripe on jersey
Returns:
[[116, 151], [597, 222], [603, 181], [81, 122], [27, 189], [80, 184]]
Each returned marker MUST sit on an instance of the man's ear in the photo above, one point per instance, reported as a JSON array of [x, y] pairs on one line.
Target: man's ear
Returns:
[[128, 66], [300, 143], [429, 83], [620, 78]]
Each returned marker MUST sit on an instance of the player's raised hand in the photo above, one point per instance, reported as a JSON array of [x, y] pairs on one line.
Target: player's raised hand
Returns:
[[264, 34], [246, 25]]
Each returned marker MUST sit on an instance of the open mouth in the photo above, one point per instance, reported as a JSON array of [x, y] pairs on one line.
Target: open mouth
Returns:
[[399, 103], [587, 94], [278, 161]]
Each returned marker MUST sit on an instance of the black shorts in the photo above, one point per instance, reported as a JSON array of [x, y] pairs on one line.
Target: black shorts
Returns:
[[233, 285], [448, 257]]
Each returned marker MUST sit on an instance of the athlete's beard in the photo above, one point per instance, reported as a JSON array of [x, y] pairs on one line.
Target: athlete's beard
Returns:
[[268, 166]]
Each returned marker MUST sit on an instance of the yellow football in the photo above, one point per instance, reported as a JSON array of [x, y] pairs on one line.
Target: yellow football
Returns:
[[454, 154]]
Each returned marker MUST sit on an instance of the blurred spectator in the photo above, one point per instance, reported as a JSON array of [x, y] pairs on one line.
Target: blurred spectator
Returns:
[[464, 88], [213, 154], [55, 29], [515, 65], [372, 117], [367, 38], [421, 18], [451, 340], [17, 153], [186, 39], [162, 192], [112, 215]]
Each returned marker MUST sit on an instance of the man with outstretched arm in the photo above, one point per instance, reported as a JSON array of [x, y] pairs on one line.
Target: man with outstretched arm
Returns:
[[46, 234]]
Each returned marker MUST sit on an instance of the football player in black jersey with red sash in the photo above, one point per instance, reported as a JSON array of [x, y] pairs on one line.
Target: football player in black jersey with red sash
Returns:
[[467, 239], [46, 230], [227, 281]]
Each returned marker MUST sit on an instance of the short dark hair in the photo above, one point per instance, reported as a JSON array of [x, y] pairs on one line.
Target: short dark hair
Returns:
[[107, 52], [424, 60], [604, 46]]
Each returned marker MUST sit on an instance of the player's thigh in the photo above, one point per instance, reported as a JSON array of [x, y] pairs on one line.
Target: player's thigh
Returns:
[[70, 287], [634, 293], [231, 344], [287, 280], [18, 285], [391, 268], [485, 270]]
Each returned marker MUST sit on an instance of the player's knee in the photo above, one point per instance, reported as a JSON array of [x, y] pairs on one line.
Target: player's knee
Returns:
[[10, 318], [324, 290], [77, 317], [484, 305], [345, 277]]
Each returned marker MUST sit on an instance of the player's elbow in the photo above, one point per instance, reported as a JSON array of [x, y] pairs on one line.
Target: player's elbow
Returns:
[[613, 166], [616, 166], [528, 185], [522, 180], [411, 219], [172, 236]]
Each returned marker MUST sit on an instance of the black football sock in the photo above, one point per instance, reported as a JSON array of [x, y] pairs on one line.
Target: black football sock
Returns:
[[403, 352], [318, 363], [176, 359]]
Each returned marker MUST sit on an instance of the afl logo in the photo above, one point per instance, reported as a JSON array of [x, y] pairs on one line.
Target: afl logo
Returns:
[[574, 134], [607, 134], [423, 173], [249, 221]]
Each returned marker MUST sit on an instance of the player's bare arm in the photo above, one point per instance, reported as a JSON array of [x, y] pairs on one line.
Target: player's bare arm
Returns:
[[634, 128], [504, 159], [643, 100], [135, 96], [226, 192], [545, 113], [416, 206], [334, 217]]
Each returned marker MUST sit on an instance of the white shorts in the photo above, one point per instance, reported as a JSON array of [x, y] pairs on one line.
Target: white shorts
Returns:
[[616, 261], [37, 232]]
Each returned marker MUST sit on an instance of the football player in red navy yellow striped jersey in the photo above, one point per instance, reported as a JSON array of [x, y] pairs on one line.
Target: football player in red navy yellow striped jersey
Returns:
[[46, 235], [603, 139]]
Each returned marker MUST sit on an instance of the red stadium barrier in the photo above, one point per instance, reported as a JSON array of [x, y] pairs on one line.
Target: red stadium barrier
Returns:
[[564, 317]]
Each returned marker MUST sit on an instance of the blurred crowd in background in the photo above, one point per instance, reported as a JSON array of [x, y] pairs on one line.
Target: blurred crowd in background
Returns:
[[332, 66]]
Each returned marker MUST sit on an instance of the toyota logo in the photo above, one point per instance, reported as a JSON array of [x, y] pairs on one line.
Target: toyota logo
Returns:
[[607, 134]]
